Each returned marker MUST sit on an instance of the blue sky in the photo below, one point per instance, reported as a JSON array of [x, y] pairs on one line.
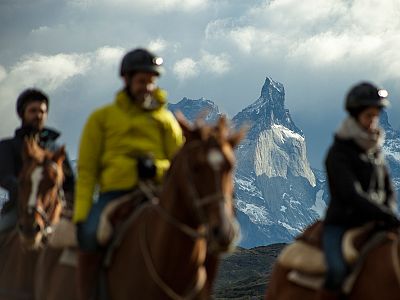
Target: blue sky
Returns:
[[220, 50]]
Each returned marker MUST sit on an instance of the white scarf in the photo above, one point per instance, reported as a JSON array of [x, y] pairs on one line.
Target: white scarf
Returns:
[[351, 130]]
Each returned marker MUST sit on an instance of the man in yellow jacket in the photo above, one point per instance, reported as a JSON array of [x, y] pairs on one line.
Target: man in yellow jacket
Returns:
[[133, 138]]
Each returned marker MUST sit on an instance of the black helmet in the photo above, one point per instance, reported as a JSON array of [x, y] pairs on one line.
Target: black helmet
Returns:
[[30, 95], [141, 60], [363, 95]]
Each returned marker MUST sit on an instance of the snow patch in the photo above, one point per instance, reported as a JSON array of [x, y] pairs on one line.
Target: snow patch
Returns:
[[319, 206], [284, 133], [257, 214], [292, 230]]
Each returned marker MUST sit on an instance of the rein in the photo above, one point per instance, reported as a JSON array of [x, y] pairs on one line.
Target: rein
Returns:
[[200, 280], [194, 234]]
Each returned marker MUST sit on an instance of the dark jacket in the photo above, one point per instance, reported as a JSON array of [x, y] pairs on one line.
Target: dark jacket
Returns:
[[11, 162], [355, 179]]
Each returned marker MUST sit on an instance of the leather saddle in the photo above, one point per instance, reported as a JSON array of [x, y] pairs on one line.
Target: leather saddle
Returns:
[[121, 210], [305, 258]]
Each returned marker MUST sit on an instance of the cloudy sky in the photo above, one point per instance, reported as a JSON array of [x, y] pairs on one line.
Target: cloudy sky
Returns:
[[218, 49]]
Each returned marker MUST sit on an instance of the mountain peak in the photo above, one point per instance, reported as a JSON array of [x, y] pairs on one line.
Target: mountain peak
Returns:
[[192, 108], [270, 87], [268, 110]]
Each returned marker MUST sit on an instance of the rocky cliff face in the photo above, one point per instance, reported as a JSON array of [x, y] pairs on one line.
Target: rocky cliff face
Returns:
[[273, 165]]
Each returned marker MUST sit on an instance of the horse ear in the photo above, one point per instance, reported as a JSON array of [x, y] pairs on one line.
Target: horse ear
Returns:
[[184, 123], [235, 138], [200, 119], [222, 125], [60, 155]]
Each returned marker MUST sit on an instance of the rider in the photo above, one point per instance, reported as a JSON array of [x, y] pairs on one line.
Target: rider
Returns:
[[32, 108], [133, 138], [360, 185]]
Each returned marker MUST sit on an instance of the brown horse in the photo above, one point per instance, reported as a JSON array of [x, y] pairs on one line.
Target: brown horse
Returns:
[[39, 207], [171, 247], [55, 279], [378, 275]]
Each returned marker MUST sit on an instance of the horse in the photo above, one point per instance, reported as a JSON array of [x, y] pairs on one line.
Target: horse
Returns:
[[39, 207], [171, 245], [376, 274]]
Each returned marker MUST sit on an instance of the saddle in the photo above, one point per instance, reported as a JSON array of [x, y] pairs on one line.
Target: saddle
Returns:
[[121, 210], [114, 221], [305, 258]]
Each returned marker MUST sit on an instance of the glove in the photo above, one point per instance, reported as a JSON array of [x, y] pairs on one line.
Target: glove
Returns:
[[394, 222], [146, 168]]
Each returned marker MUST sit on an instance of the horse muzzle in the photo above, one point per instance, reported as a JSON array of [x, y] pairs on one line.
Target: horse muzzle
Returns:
[[224, 238], [31, 235]]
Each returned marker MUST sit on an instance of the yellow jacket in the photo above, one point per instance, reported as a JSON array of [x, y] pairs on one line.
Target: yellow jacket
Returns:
[[113, 137]]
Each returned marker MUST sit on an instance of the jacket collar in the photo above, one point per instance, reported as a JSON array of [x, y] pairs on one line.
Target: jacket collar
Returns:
[[369, 142], [46, 134], [124, 101]]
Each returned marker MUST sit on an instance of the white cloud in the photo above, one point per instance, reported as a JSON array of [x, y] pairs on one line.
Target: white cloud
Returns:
[[244, 37], [48, 71], [186, 68], [292, 14], [3, 73], [158, 45], [41, 29], [145, 6], [315, 33], [109, 55], [217, 64]]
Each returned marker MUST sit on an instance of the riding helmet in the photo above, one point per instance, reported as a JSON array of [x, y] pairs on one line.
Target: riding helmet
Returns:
[[141, 60], [364, 95]]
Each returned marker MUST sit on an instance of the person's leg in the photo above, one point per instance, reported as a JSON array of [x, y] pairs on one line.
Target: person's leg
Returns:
[[336, 266], [90, 256]]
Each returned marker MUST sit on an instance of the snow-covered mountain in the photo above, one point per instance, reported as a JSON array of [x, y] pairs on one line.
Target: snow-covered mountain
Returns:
[[277, 191], [192, 109], [391, 149], [273, 165]]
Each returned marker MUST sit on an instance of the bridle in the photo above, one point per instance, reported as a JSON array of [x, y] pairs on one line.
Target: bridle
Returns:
[[198, 201], [202, 233], [32, 208]]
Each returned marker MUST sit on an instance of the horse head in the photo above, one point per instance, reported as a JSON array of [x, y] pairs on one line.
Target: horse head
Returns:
[[206, 166], [40, 186]]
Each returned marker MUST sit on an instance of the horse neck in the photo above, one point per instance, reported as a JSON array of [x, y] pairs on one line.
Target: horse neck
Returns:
[[174, 198], [191, 251]]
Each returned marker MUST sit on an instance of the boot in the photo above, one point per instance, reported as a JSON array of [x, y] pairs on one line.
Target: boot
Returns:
[[87, 274], [325, 294]]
